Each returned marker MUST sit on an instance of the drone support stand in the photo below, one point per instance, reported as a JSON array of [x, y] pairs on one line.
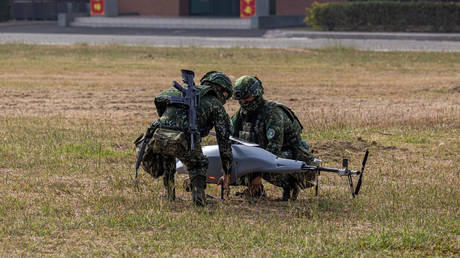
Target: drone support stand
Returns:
[[342, 172]]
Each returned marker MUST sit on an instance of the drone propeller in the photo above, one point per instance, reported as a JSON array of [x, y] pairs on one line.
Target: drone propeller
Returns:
[[360, 180]]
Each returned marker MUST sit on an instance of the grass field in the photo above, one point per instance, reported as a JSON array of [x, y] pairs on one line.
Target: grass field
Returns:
[[68, 116]]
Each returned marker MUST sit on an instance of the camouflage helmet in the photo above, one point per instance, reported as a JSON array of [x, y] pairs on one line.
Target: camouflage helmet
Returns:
[[247, 86], [220, 79]]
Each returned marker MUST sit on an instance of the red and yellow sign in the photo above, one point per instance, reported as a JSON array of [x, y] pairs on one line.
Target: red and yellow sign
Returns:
[[247, 8], [97, 7]]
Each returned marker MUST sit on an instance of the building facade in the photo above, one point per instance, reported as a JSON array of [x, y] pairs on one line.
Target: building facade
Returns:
[[224, 8], [48, 9], [262, 13]]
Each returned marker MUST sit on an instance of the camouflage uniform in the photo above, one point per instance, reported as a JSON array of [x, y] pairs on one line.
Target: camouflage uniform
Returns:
[[275, 128], [171, 138]]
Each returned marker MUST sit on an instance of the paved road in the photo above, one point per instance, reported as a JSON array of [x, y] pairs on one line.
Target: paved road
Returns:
[[50, 33]]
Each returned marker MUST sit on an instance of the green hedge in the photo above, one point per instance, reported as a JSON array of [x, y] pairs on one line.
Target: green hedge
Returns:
[[4, 10], [385, 16]]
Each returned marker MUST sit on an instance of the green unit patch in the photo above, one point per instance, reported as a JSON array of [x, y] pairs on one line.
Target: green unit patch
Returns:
[[270, 133]]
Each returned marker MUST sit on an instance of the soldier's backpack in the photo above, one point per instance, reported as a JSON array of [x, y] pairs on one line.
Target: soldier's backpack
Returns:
[[287, 110], [169, 142]]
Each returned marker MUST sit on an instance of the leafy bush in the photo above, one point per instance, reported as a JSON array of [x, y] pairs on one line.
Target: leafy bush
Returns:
[[385, 16]]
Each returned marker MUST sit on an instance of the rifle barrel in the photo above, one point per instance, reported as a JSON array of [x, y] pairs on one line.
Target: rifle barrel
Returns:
[[141, 151]]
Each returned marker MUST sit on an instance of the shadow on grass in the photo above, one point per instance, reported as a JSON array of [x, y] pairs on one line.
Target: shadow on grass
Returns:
[[262, 209]]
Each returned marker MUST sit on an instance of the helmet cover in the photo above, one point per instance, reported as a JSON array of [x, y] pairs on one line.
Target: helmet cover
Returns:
[[218, 78], [247, 86]]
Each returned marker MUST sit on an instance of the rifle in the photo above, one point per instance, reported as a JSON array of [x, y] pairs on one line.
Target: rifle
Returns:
[[190, 98], [142, 149]]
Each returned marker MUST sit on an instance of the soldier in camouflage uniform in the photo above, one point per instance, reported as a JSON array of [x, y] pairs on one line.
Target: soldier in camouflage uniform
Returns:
[[171, 138], [276, 129]]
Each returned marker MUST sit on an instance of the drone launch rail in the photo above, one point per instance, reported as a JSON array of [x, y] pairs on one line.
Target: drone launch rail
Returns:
[[341, 172]]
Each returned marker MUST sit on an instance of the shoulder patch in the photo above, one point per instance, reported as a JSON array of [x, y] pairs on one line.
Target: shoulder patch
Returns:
[[270, 133]]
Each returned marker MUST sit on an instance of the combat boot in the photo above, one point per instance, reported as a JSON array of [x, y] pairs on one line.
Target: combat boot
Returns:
[[198, 184], [256, 188], [286, 194], [290, 193], [168, 182], [295, 192]]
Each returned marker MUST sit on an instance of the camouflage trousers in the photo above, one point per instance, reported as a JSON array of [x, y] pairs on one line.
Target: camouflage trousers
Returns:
[[160, 160], [171, 144], [195, 162]]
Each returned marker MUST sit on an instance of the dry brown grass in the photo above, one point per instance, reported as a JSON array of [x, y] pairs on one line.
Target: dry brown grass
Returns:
[[380, 92]]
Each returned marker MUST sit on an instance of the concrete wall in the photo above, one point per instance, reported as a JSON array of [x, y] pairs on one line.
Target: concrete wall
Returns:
[[277, 21], [154, 7], [293, 7]]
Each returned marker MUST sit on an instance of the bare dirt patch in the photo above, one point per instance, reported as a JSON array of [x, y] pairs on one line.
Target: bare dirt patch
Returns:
[[324, 89], [455, 89], [127, 104]]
